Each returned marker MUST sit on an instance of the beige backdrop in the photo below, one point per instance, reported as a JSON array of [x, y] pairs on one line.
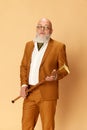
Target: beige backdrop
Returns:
[[18, 19]]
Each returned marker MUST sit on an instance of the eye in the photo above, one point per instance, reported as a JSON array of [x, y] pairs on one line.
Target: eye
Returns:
[[46, 27], [39, 26]]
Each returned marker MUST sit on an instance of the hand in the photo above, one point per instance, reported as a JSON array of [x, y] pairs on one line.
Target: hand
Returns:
[[53, 76], [23, 91]]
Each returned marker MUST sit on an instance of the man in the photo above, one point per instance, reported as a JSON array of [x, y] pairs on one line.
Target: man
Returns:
[[44, 59]]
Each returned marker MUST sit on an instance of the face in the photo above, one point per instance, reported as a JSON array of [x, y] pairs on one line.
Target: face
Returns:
[[44, 28]]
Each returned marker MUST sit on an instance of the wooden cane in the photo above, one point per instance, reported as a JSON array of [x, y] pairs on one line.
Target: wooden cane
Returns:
[[29, 90], [35, 86]]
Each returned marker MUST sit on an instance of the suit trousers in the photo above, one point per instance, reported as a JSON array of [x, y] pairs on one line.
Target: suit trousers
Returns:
[[33, 106]]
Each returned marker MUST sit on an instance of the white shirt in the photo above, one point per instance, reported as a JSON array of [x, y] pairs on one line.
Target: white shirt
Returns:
[[35, 63]]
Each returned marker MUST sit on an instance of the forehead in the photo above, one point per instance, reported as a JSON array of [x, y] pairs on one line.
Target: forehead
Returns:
[[44, 22]]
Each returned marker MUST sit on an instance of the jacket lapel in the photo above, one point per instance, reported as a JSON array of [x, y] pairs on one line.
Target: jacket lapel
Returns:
[[47, 51]]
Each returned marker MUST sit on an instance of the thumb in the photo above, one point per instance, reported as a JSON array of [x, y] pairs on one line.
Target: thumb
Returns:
[[53, 72]]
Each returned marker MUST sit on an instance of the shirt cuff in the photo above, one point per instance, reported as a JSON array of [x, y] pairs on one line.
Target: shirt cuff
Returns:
[[24, 85]]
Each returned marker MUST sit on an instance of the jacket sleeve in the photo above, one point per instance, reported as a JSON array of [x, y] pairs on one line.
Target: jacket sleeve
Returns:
[[24, 68], [62, 62]]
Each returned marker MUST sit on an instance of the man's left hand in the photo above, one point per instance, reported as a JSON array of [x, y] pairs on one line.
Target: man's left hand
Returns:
[[52, 77]]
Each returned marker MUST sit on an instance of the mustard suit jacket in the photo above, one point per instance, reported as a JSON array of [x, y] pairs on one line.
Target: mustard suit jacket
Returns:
[[54, 58]]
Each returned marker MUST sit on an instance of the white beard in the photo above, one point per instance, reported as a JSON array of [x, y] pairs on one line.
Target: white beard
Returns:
[[42, 39]]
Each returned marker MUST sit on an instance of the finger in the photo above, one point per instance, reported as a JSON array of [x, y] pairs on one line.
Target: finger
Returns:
[[50, 78], [53, 72]]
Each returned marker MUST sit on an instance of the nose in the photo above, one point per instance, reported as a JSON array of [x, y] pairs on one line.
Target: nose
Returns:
[[43, 28]]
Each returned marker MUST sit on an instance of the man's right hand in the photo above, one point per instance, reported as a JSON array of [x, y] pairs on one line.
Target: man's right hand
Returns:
[[23, 91]]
